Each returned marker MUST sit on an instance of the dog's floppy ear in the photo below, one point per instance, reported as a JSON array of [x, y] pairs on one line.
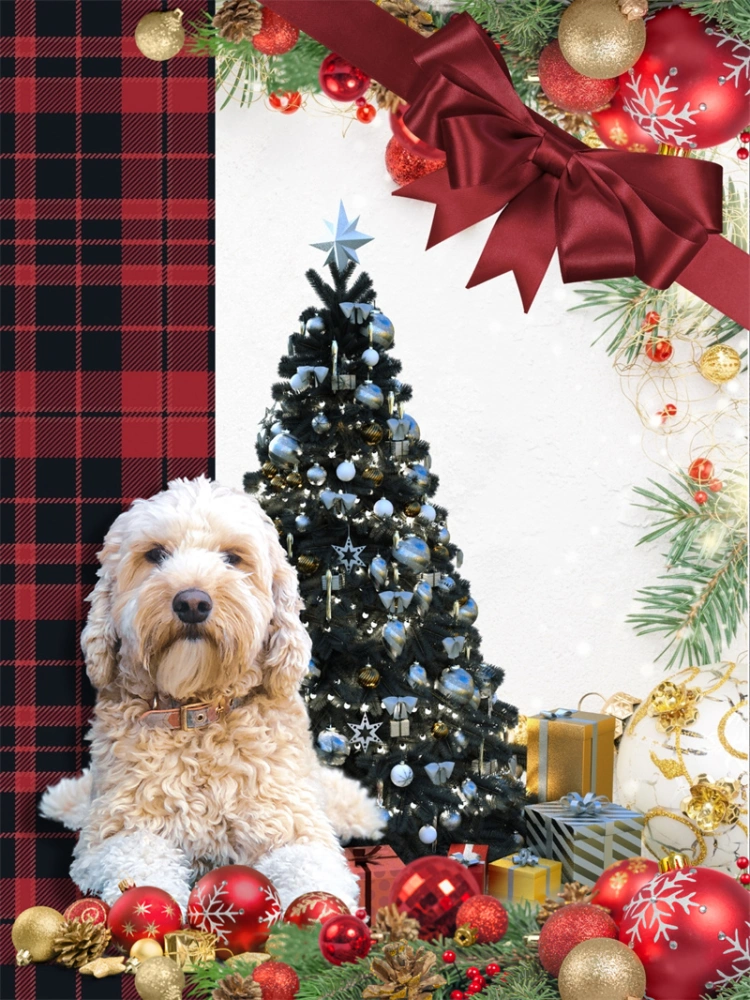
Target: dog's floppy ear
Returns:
[[99, 641], [287, 650]]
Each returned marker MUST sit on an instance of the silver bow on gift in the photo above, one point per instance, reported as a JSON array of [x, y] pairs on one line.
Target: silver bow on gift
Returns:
[[468, 857], [557, 713], [453, 646], [399, 709], [358, 311], [584, 805], [338, 501], [525, 857], [398, 428], [305, 376], [396, 600], [440, 773]]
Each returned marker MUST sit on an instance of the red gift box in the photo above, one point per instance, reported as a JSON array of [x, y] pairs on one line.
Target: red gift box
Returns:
[[474, 858], [376, 868]]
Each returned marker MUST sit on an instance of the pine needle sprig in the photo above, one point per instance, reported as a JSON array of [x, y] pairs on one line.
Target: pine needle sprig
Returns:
[[524, 26], [298, 947], [204, 978], [343, 982], [732, 15], [528, 981]]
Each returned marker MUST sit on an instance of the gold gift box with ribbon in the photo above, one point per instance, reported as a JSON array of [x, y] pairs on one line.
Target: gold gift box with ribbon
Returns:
[[523, 876], [570, 752], [189, 948]]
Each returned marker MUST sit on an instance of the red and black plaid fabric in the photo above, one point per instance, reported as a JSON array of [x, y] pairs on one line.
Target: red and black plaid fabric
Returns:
[[107, 388]]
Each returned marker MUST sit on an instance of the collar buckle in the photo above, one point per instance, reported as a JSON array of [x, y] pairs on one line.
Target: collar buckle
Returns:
[[195, 706]]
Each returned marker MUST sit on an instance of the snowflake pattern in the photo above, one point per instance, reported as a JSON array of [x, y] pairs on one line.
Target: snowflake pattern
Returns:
[[739, 66], [656, 112], [214, 914], [273, 913], [740, 950], [656, 902]]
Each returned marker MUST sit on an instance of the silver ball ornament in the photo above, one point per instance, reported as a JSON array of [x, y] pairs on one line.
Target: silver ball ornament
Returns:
[[379, 570], [444, 536], [427, 834], [468, 611], [412, 552], [469, 789], [402, 775], [383, 333], [394, 637], [302, 522], [321, 424], [333, 747], [370, 395], [370, 357], [423, 595], [284, 449], [457, 685], [428, 512], [346, 471], [417, 678], [419, 475], [382, 508], [315, 325], [450, 819], [316, 475], [277, 428], [446, 584]]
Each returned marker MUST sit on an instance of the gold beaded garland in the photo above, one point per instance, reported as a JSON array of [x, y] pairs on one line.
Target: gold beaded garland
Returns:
[[719, 363], [598, 40], [160, 35]]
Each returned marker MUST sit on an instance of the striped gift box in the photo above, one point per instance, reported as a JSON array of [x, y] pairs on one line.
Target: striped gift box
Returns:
[[585, 845]]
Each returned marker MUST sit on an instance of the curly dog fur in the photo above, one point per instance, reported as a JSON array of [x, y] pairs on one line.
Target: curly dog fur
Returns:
[[165, 805]]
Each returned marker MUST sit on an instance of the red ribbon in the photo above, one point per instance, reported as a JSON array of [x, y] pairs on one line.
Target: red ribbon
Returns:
[[609, 214]]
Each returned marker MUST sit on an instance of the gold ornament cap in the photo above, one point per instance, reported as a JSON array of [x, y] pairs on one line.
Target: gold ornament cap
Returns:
[[673, 861], [465, 936], [126, 883]]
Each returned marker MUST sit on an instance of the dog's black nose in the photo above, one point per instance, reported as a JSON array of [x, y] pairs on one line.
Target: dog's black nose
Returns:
[[192, 606]]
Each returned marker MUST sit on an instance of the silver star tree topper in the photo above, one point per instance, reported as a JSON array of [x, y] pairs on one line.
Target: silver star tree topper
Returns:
[[345, 242]]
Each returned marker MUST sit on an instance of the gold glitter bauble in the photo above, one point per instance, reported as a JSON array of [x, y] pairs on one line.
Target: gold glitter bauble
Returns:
[[374, 475], [601, 969], [413, 508], [596, 39], [308, 564], [373, 433], [294, 479], [160, 35], [719, 363], [159, 979], [35, 930], [278, 482], [146, 948], [268, 469], [369, 677], [439, 730]]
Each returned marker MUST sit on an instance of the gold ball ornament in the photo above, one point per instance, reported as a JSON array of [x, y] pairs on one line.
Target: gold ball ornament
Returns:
[[146, 948], [160, 35], [159, 979], [598, 40], [601, 969], [373, 475], [719, 363], [412, 508], [373, 433], [34, 931], [440, 729], [369, 677]]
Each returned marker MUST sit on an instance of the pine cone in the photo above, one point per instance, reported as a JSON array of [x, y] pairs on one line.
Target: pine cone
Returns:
[[79, 942], [570, 121], [409, 14], [383, 97], [237, 987], [238, 20], [633, 9], [546, 909], [571, 892], [393, 925], [404, 974]]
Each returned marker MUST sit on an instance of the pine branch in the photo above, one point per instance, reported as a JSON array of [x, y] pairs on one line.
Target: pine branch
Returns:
[[732, 15], [524, 26], [524, 982], [298, 947], [344, 982], [298, 68]]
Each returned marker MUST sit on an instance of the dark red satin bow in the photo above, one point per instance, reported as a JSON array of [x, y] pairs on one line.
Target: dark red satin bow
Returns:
[[609, 214]]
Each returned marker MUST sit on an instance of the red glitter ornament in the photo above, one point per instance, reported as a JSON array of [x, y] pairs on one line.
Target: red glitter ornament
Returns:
[[689, 927], [340, 80], [143, 912], [659, 349], [486, 915], [313, 907], [276, 35], [567, 927], [701, 470], [688, 87], [237, 904], [700, 497], [366, 113], [569, 89], [431, 890], [407, 138], [95, 910], [344, 938], [405, 166], [277, 980], [617, 884], [617, 130]]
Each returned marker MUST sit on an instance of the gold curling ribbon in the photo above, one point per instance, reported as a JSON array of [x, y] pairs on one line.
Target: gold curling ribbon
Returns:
[[723, 734], [700, 840]]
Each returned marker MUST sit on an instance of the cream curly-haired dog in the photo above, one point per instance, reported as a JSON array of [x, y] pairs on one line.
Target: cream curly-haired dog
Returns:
[[201, 753]]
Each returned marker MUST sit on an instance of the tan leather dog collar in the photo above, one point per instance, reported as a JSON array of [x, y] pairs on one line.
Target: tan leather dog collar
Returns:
[[194, 715]]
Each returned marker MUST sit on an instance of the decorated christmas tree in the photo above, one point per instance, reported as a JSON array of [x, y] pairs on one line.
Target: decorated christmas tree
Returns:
[[398, 692]]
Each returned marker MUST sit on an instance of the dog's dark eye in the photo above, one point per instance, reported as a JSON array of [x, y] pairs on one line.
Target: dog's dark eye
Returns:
[[232, 558], [156, 555]]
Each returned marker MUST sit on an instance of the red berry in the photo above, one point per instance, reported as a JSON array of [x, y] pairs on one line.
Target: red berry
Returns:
[[458, 995], [700, 496], [744, 136], [742, 153], [671, 409], [481, 980], [659, 349], [652, 319], [475, 986], [449, 956], [701, 470], [492, 969], [362, 914], [361, 101], [366, 113], [743, 862], [715, 485], [472, 972], [744, 878]]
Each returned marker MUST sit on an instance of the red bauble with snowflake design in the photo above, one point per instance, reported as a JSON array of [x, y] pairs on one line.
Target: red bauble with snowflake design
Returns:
[[617, 884], [237, 904], [617, 130], [691, 930], [313, 908], [142, 912], [688, 88]]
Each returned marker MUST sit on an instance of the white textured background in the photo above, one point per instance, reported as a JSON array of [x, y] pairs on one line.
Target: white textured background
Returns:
[[536, 447]]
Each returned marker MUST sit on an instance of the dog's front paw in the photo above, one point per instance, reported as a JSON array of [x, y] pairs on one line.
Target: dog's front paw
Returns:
[[299, 868]]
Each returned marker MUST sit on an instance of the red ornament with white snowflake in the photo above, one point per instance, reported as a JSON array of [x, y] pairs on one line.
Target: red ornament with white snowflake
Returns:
[[617, 884], [313, 908], [688, 87], [142, 912], [237, 904], [617, 130], [690, 928]]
